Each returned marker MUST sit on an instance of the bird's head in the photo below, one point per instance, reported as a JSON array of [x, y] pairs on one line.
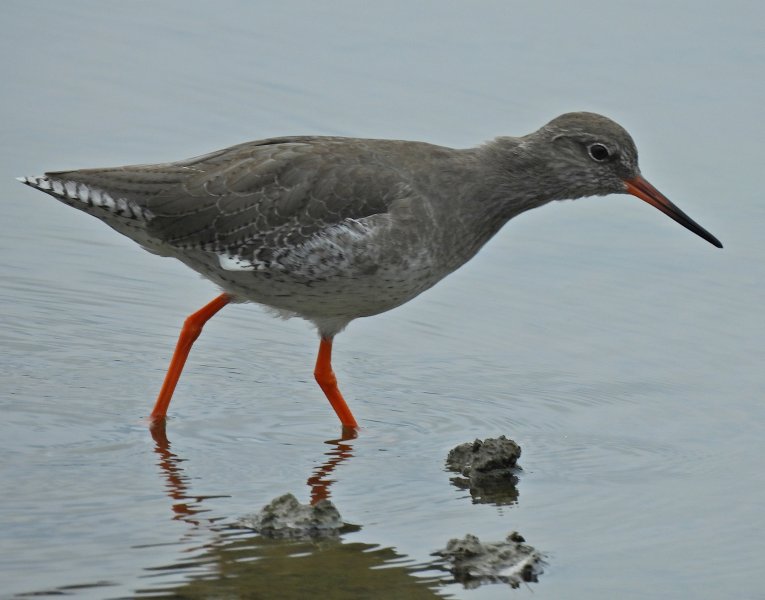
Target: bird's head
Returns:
[[590, 155]]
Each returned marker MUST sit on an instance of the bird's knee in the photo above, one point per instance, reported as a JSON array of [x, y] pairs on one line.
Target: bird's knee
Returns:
[[191, 328]]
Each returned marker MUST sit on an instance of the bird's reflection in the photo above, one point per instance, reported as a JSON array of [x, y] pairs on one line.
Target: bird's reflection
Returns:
[[184, 507], [319, 482], [233, 560]]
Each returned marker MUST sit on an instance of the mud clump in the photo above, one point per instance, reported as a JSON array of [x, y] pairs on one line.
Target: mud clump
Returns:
[[488, 469], [473, 563], [286, 518]]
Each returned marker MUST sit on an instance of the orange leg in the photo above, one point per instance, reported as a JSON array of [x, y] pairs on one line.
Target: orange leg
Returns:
[[192, 327], [325, 377]]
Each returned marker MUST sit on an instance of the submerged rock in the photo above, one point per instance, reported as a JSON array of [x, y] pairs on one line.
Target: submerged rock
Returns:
[[488, 468], [285, 517], [473, 563]]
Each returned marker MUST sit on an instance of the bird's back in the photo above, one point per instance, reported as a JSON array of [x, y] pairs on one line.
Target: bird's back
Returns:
[[310, 211], [283, 189]]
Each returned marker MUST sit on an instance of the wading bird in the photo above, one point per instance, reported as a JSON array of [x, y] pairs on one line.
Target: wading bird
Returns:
[[332, 229]]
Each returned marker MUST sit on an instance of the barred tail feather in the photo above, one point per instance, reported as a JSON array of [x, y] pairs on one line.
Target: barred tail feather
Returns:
[[85, 197]]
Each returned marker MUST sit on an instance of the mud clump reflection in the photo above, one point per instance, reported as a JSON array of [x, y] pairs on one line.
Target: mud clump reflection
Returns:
[[473, 563], [286, 518], [488, 469]]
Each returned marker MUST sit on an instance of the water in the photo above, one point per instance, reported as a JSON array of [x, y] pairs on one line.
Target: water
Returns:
[[623, 353]]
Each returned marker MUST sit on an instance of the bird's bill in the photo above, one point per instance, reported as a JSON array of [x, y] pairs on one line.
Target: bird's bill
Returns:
[[645, 191]]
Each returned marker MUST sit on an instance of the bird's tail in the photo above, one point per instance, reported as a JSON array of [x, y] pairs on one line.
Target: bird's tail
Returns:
[[119, 212], [85, 197]]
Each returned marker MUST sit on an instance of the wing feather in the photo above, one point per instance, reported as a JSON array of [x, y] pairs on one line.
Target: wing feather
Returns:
[[261, 198]]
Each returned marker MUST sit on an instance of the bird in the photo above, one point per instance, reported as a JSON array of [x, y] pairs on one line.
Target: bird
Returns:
[[332, 229]]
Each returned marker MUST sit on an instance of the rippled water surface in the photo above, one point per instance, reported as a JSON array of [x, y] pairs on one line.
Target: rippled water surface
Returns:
[[621, 352]]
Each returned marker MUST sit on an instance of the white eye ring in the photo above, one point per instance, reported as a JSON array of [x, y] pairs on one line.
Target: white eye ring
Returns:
[[598, 152]]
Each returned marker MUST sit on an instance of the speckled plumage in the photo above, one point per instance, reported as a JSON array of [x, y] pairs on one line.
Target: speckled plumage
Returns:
[[333, 228]]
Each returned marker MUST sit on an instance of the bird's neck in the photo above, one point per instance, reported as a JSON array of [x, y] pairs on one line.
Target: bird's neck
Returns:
[[520, 177], [493, 184]]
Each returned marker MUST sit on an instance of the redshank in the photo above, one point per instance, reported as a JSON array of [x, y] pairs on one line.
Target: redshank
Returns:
[[332, 229]]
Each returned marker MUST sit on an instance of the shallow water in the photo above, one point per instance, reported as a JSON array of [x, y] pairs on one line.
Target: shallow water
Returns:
[[620, 351]]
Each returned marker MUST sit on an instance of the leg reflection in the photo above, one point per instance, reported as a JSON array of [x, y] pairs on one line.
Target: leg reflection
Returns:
[[184, 507], [320, 482]]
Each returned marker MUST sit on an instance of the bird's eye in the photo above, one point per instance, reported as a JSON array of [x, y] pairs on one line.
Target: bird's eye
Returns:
[[598, 152]]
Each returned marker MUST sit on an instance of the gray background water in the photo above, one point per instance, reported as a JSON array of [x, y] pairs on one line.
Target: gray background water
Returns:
[[622, 352]]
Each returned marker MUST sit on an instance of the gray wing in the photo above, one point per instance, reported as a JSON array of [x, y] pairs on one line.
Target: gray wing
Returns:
[[256, 198]]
